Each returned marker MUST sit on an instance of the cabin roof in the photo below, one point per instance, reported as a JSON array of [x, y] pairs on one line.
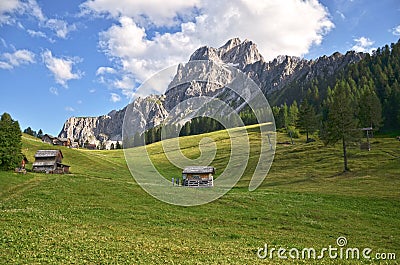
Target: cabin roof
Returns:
[[50, 136], [48, 153], [199, 170]]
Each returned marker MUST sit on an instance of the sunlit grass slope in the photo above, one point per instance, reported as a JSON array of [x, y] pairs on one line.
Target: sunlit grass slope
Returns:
[[98, 214]]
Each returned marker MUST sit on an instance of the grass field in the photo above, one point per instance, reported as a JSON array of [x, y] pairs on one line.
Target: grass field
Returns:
[[99, 215]]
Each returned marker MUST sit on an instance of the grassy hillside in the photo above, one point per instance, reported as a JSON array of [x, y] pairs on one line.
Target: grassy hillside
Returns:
[[98, 214]]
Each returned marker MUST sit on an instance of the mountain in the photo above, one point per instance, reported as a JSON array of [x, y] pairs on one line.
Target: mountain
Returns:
[[281, 79]]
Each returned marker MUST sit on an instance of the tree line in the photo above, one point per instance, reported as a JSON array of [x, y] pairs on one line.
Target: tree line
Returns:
[[197, 125], [33, 133]]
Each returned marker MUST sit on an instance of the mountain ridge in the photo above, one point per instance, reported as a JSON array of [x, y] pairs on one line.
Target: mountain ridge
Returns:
[[272, 77]]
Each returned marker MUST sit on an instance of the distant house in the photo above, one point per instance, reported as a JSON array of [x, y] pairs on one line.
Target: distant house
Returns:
[[198, 176], [91, 146], [74, 145], [63, 141], [47, 138], [49, 161]]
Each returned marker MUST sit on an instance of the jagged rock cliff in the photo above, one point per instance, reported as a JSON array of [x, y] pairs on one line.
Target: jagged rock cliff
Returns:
[[104, 129], [272, 77]]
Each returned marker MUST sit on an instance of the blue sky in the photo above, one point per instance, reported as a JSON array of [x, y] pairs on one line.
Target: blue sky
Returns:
[[85, 58]]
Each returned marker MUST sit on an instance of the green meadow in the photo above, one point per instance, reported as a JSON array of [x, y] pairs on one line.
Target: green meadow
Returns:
[[98, 214]]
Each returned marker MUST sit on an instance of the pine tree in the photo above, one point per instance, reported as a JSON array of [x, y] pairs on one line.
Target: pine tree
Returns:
[[10, 142], [307, 120], [341, 124], [293, 114], [40, 134], [370, 110], [275, 112], [282, 117]]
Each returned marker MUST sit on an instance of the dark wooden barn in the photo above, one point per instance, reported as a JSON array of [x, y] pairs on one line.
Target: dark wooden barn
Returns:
[[49, 161]]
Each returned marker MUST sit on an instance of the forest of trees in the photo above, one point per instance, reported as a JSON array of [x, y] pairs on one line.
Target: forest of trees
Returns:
[[374, 84], [364, 95], [371, 86]]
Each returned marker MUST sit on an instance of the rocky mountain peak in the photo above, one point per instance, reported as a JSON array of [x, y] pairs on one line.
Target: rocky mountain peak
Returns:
[[206, 53], [234, 52], [230, 44]]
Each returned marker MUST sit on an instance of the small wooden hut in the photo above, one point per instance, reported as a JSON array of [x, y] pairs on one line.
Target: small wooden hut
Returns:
[[49, 161], [198, 176]]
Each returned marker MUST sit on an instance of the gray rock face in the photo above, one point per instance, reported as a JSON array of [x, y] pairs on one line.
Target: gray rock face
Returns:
[[234, 53], [269, 76], [95, 130]]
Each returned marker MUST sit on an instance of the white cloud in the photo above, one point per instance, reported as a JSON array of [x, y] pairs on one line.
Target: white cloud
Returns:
[[273, 25], [34, 33], [54, 91], [70, 109], [396, 31], [5, 65], [61, 67], [39, 34], [16, 58], [341, 14], [10, 8], [3, 42], [105, 70], [33, 8], [115, 97], [92, 90], [60, 27], [126, 83], [158, 12], [7, 9], [363, 44]]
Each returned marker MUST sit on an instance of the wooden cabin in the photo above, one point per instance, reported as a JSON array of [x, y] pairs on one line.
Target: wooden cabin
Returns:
[[198, 176], [49, 161], [62, 141], [47, 138]]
